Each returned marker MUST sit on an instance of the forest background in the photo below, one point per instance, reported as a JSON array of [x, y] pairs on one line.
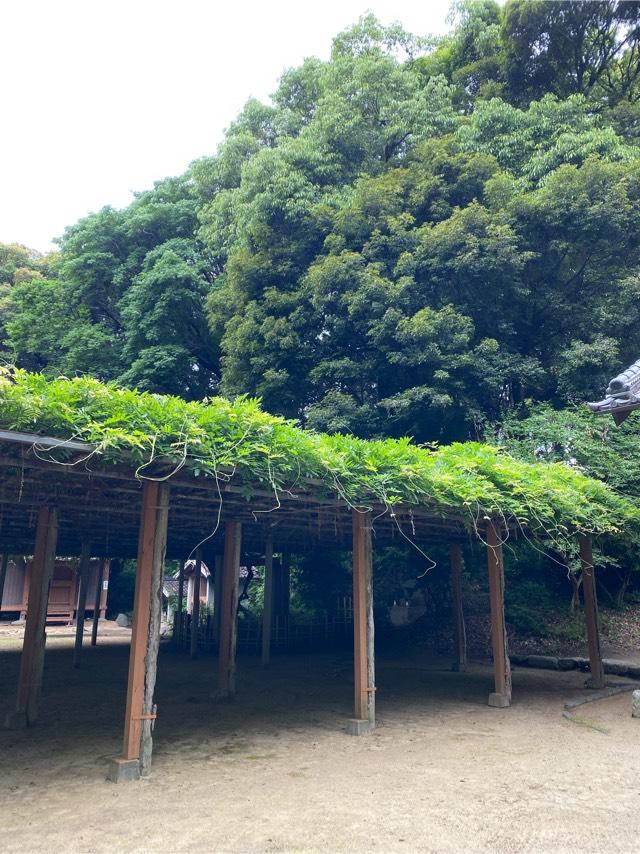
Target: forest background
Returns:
[[433, 237]]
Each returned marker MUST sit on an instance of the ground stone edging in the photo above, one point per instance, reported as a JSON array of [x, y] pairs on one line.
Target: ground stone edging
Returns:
[[551, 662], [610, 690]]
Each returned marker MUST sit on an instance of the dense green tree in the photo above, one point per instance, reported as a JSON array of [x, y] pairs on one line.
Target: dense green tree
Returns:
[[167, 343], [437, 238], [438, 289], [568, 47], [471, 57], [17, 264], [595, 445], [126, 300], [47, 327], [531, 143], [401, 241]]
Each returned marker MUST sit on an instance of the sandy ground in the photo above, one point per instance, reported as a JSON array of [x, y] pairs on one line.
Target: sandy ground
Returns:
[[275, 771]]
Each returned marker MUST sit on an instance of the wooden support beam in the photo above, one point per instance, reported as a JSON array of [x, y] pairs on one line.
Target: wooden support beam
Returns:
[[276, 567], [101, 573], [32, 659], [267, 609], [74, 592], [153, 635], [229, 611], [501, 697], [363, 628], [459, 631], [104, 588], [286, 585], [177, 620], [85, 565], [195, 604], [281, 583], [145, 637], [3, 573], [25, 588], [591, 613], [209, 586], [217, 599]]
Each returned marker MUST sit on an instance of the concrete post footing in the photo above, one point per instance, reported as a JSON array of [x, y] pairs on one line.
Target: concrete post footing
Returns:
[[123, 770], [499, 701], [355, 726]]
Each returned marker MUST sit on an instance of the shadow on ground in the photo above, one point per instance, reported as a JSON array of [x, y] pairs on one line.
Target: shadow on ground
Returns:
[[82, 710], [274, 771]]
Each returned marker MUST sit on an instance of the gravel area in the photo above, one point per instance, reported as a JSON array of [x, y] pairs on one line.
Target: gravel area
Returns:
[[275, 771]]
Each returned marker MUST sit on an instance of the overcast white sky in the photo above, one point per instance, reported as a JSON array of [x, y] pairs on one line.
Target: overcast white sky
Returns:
[[102, 98]]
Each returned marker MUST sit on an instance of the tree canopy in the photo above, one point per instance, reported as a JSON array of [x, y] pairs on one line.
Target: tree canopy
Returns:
[[410, 238]]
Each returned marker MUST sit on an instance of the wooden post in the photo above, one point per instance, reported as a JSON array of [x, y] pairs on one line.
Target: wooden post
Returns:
[[74, 593], [32, 659], [276, 569], [209, 585], [153, 636], [229, 611], [85, 564], [25, 588], [145, 636], [3, 574], [195, 605], [459, 632], [591, 613], [217, 599], [177, 620], [267, 610], [501, 697], [104, 588], [363, 629], [286, 585], [102, 570]]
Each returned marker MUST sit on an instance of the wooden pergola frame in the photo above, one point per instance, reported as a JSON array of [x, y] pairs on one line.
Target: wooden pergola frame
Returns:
[[57, 497]]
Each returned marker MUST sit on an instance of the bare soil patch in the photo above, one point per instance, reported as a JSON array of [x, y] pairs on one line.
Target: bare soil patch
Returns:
[[275, 771]]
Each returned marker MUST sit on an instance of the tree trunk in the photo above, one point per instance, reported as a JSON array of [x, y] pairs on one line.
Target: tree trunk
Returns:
[[576, 581]]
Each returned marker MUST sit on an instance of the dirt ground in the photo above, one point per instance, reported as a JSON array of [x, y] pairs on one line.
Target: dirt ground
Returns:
[[275, 771]]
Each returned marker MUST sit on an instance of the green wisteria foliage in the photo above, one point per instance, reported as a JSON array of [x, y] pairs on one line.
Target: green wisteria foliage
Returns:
[[218, 437]]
